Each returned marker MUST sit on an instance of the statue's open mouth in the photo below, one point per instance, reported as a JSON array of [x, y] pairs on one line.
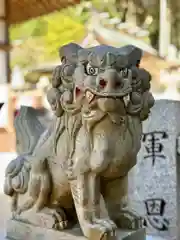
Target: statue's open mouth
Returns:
[[119, 92], [91, 94], [107, 103]]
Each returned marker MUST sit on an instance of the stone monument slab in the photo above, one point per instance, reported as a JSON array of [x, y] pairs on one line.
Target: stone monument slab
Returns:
[[155, 177]]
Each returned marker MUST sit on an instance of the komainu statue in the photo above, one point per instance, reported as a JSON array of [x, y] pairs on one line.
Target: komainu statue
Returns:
[[75, 170]]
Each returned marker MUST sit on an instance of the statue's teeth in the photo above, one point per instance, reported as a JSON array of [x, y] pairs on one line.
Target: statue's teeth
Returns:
[[126, 100], [89, 96]]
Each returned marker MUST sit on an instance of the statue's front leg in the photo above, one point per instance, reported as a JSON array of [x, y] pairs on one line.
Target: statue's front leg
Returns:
[[80, 193], [104, 225], [95, 203], [86, 195]]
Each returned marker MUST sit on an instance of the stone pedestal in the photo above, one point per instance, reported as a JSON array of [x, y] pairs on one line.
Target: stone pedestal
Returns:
[[156, 178], [19, 231]]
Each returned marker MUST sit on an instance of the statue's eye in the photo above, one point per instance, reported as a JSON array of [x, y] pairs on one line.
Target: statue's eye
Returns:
[[124, 72], [90, 70]]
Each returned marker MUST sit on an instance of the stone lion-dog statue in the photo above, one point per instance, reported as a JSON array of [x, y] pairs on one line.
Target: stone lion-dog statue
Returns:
[[100, 97]]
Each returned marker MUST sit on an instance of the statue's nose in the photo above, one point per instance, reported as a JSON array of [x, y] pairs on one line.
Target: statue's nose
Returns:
[[110, 79]]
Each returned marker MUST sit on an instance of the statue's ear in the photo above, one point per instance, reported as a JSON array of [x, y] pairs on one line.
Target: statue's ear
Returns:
[[122, 61], [133, 53], [70, 52], [83, 55]]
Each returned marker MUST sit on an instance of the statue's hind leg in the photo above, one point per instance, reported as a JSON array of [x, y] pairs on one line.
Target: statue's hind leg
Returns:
[[115, 197]]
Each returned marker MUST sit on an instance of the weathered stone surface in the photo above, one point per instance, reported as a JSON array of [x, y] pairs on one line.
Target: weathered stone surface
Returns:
[[99, 97], [2, 237], [19, 231], [153, 182], [178, 184]]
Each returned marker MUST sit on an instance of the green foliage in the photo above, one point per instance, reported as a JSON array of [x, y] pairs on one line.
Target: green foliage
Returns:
[[33, 28], [62, 29], [42, 37]]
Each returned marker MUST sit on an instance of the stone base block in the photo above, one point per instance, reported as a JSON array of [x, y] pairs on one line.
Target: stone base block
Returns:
[[20, 231]]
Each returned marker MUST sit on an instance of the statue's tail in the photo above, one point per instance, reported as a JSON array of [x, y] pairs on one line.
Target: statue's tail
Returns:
[[29, 128], [29, 125]]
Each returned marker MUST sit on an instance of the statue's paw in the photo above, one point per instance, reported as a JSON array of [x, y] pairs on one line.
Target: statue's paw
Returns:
[[61, 221], [61, 225], [99, 231], [107, 223], [129, 220], [104, 229], [16, 213]]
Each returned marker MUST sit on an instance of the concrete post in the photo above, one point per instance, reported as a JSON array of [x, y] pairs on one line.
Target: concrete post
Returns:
[[5, 61], [4, 43]]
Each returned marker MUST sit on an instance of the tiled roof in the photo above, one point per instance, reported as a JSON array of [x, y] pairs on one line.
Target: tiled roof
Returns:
[[22, 10]]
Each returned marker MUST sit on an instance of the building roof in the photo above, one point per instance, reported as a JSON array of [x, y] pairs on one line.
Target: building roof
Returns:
[[22, 10]]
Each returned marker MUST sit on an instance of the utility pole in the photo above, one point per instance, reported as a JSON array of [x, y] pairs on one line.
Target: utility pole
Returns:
[[164, 29]]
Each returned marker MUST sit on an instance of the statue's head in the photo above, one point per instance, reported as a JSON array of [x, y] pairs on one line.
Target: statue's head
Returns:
[[103, 75], [105, 72]]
